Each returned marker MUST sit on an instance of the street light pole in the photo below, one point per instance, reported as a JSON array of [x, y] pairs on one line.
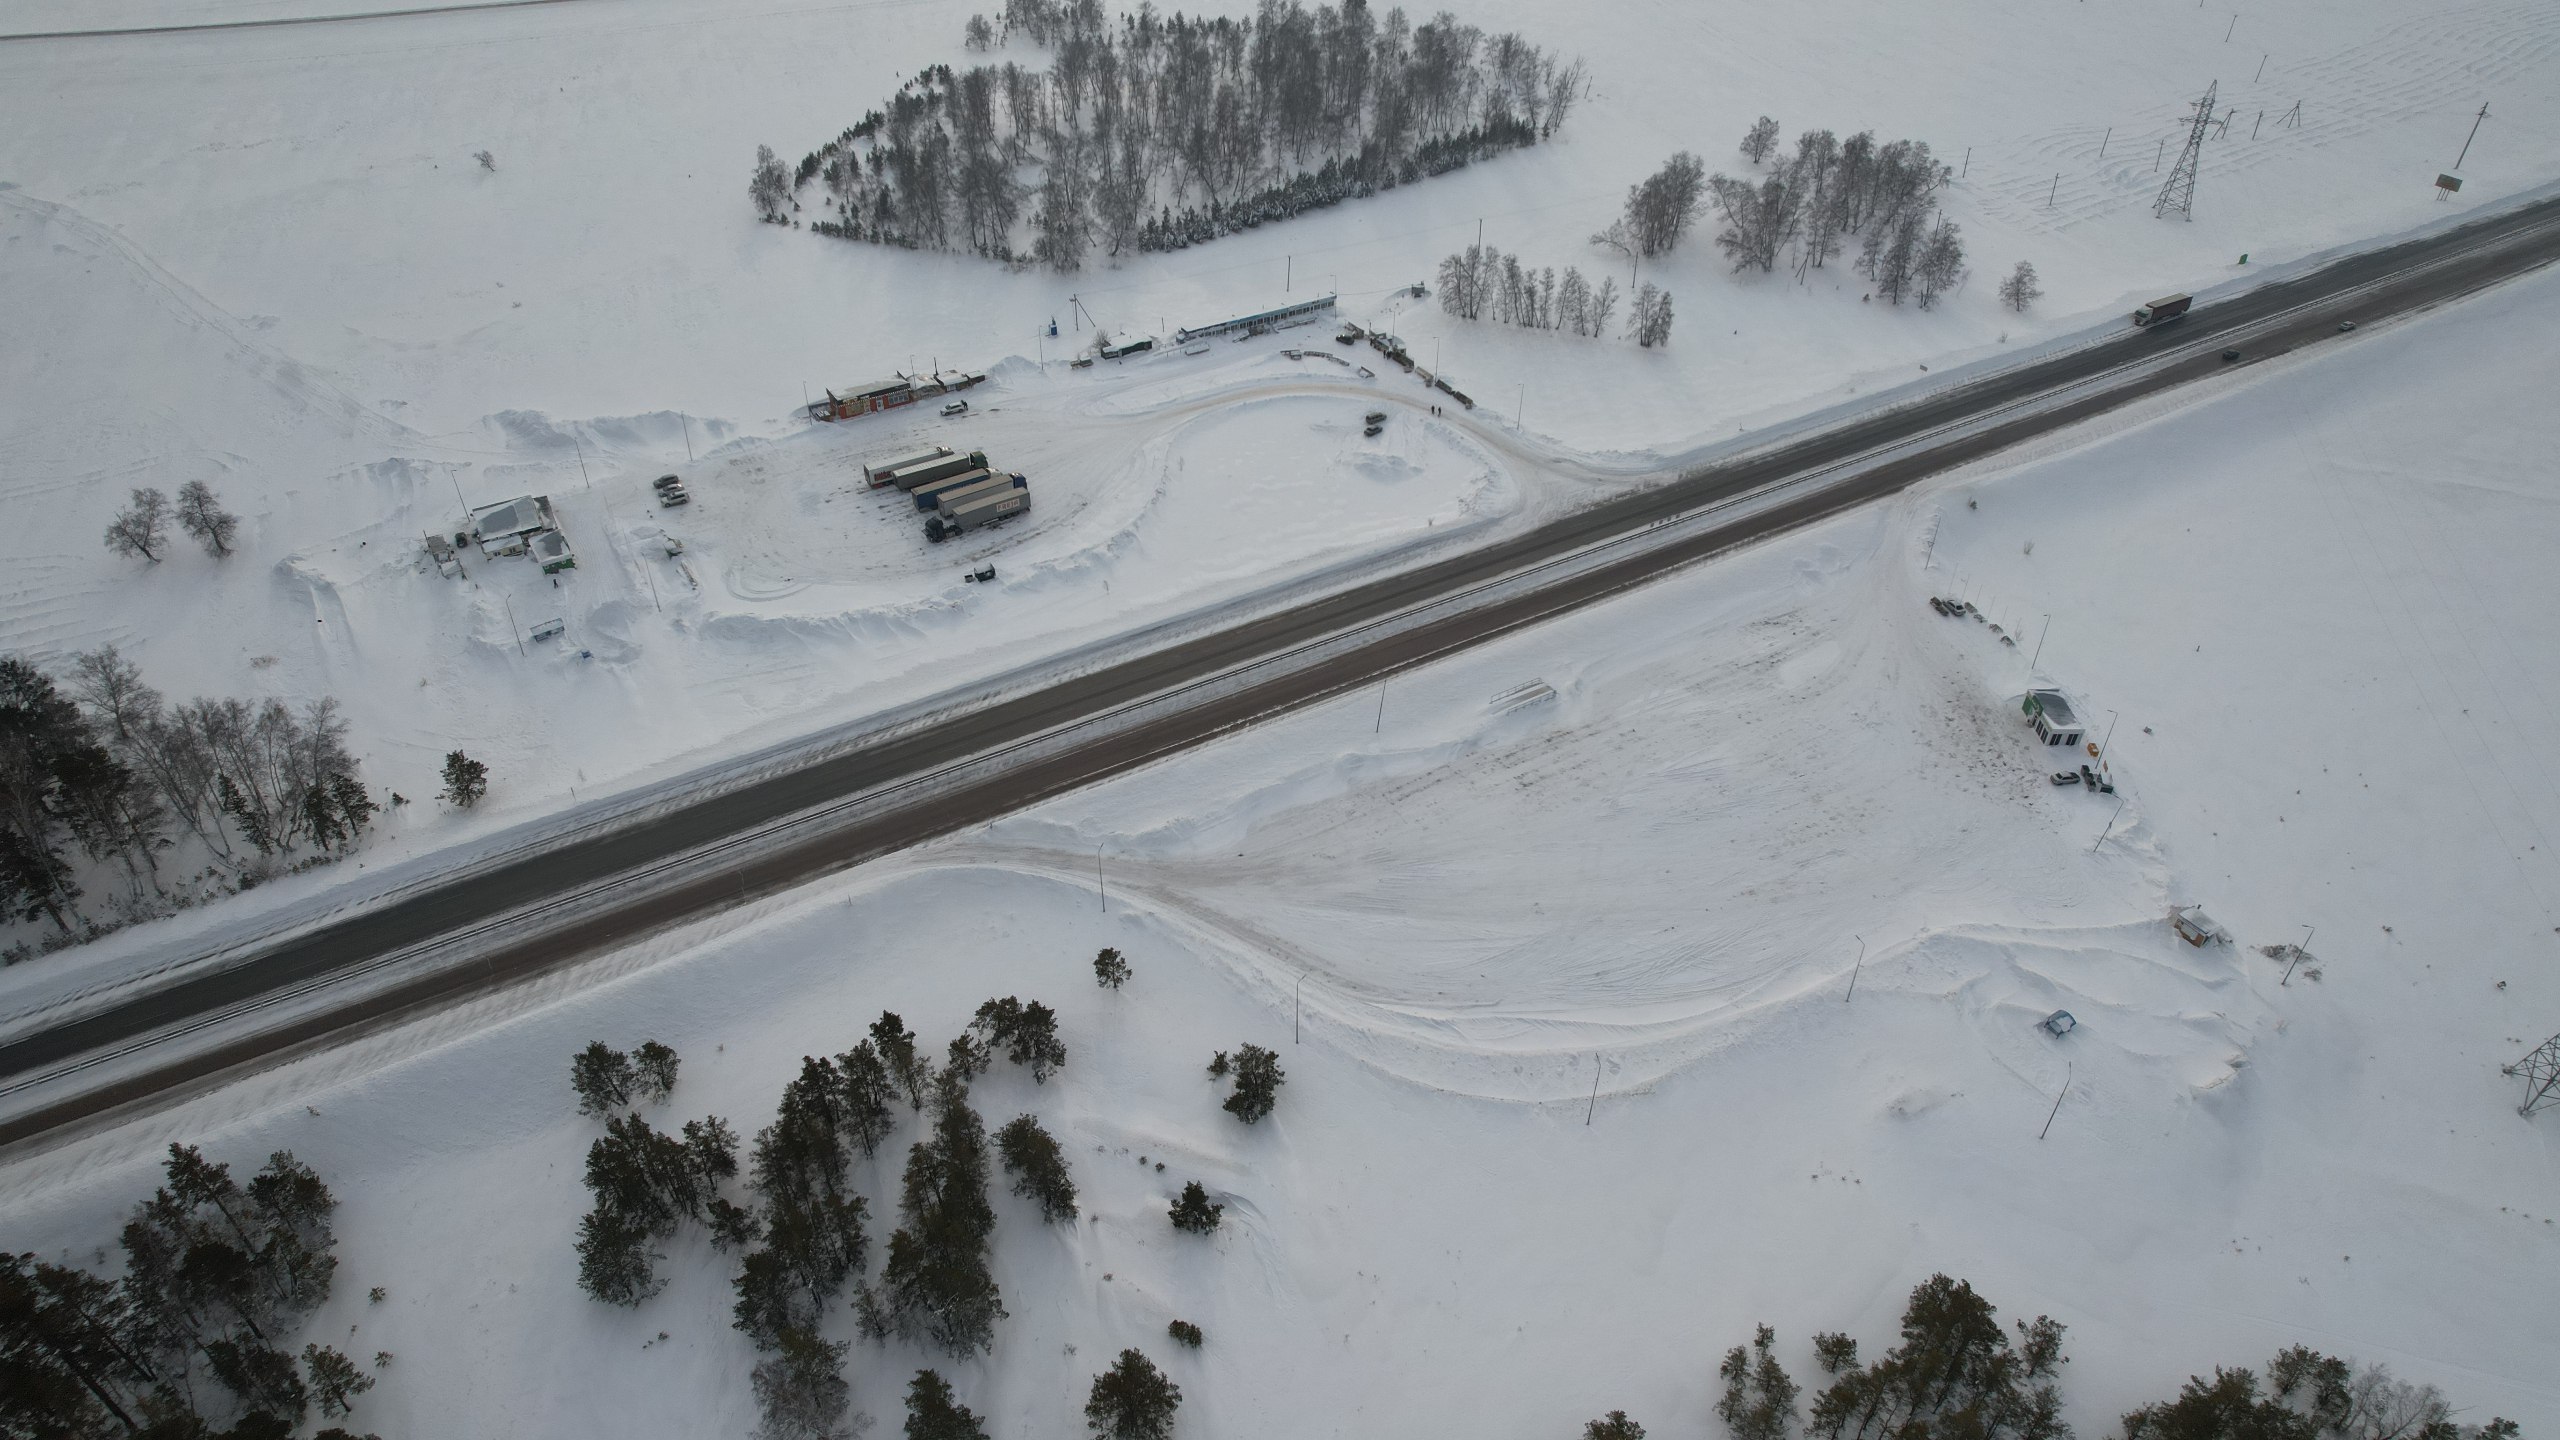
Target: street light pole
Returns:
[[2040, 634], [2474, 135]]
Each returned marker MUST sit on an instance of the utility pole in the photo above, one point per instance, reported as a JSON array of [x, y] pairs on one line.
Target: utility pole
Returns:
[[1522, 417], [686, 421], [2111, 826], [2102, 141], [1296, 1006], [2235, 26], [2474, 135], [2298, 952], [1968, 163], [1381, 726], [2111, 733], [2040, 634], [582, 460], [2262, 70], [1595, 1089], [2055, 190], [1288, 272], [1099, 887], [1854, 969], [503, 599], [2057, 1102]]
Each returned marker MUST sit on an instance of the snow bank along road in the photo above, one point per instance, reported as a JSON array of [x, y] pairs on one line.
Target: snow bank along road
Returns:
[[520, 915]]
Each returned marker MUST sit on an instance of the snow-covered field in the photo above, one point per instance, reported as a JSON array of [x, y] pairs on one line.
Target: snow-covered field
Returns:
[[265, 258], [2312, 607]]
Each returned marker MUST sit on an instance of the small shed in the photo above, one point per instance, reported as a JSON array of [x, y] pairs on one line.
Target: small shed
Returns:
[[2196, 927], [2055, 721], [2060, 1022]]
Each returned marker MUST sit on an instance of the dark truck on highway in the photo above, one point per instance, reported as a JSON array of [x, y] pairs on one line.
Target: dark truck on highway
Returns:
[[2161, 311]]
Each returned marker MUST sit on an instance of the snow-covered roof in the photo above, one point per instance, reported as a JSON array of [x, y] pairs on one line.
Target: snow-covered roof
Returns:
[[550, 545], [2055, 709], [520, 516]]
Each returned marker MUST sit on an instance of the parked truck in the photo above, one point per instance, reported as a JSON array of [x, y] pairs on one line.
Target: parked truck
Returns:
[[909, 477], [987, 509], [958, 495], [879, 472], [2161, 311], [933, 490]]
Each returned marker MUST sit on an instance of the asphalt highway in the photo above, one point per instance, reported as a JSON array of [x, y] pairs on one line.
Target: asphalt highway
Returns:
[[1923, 436]]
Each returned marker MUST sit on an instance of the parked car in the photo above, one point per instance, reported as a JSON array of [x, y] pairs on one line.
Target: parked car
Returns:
[[668, 482], [673, 496], [2066, 777], [1372, 431], [2230, 355], [956, 407], [2345, 325], [1377, 417]]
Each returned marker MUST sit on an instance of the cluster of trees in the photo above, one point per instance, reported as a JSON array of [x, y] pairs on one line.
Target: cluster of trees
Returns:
[[1807, 208], [2309, 1396], [1481, 280], [1957, 1375], [647, 1183], [116, 771], [1257, 1076], [141, 528], [194, 1341], [1156, 132], [802, 1235]]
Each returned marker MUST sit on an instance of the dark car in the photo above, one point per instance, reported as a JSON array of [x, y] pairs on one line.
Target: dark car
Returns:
[[2230, 355]]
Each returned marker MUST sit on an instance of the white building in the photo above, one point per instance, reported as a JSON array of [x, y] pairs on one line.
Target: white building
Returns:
[[2055, 721]]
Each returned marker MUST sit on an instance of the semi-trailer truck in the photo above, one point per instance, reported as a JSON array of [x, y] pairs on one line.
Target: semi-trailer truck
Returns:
[[2161, 311]]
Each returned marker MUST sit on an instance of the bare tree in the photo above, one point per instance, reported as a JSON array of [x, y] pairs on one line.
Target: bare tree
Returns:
[[141, 525], [487, 161], [2020, 290], [1760, 139], [201, 515], [1659, 209], [1604, 304], [1940, 266], [770, 186], [977, 34], [1650, 320]]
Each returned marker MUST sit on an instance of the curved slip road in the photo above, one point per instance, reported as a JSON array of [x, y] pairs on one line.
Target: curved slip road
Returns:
[[672, 863]]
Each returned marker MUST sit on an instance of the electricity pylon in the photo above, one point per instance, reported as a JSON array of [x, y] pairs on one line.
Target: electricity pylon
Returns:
[[2179, 195]]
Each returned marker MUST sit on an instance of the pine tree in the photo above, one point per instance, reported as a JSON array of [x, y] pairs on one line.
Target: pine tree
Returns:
[[933, 1415], [1028, 1033], [334, 1380], [897, 1049], [465, 779], [141, 527], [935, 1284], [603, 1078], [653, 1070], [1184, 1333], [201, 515], [1110, 969], [1759, 1401], [1132, 1401], [1038, 1166], [1614, 1426], [1193, 1214], [800, 1389], [1258, 1079], [1954, 1361], [868, 1093]]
